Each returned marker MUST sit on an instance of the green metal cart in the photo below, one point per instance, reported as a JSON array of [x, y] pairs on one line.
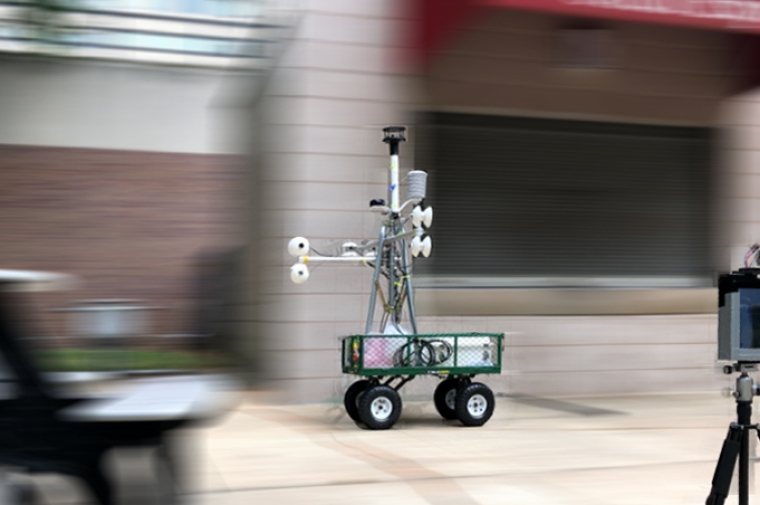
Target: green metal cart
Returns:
[[399, 352], [387, 362]]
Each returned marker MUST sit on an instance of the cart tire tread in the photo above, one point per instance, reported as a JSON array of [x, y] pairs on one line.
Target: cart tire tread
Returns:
[[475, 404], [439, 398], [351, 398], [380, 407]]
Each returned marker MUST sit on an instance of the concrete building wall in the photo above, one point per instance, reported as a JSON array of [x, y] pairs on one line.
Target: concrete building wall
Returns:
[[322, 160], [64, 103], [121, 174], [510, 62], [739, 184]]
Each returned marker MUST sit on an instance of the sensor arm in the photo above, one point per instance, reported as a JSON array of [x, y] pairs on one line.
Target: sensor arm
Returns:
[[303, 260]]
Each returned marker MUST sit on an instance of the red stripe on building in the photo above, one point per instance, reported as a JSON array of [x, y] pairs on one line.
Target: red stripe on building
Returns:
[[438, 20]]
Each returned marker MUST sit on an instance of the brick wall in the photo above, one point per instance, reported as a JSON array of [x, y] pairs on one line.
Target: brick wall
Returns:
[[129, 223]]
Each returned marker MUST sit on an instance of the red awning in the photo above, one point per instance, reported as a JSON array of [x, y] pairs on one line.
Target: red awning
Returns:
[[438, 19]]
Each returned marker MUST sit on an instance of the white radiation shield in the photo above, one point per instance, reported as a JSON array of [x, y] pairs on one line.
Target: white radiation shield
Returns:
[[298, 246]]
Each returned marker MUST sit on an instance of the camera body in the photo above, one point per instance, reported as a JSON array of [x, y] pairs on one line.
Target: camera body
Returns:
[[739, 316]]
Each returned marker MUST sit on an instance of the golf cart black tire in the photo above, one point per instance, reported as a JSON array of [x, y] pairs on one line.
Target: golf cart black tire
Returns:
[[439, 398], [365, 407], [351, 398], [463, 397], [22, 493]]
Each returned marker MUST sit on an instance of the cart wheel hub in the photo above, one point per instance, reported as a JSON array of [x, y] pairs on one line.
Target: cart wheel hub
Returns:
[[477, 406], [381, 408], [451, 398]]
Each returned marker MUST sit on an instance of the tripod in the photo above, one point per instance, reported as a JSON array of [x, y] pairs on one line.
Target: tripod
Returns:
[[737, 440]]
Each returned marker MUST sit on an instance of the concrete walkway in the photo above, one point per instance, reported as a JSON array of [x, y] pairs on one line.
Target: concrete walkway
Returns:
[[628, 450]]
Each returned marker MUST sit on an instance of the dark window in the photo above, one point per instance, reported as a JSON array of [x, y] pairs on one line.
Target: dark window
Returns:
[[520, 198]]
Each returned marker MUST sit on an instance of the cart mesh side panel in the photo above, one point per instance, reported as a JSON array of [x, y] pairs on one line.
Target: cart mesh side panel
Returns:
[[420, 354]]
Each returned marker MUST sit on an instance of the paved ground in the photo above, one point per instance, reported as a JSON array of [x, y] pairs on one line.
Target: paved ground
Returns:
[[657, 449], [631, 450]]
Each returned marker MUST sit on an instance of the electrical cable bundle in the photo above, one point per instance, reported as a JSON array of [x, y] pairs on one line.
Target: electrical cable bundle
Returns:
[[418, 352]]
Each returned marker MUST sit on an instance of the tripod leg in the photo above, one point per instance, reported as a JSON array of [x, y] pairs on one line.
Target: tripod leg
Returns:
[[744, 470], [744, 413], [725, 469]]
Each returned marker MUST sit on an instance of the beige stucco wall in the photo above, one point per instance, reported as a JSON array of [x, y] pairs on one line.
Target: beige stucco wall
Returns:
[[322, 161], [739, 181], [507, 63], [49, 102]]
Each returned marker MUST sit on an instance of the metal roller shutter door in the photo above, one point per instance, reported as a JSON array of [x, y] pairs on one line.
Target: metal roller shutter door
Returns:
[[525, 197]]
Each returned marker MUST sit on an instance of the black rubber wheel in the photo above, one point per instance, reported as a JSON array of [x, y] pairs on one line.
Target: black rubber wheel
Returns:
[[379, 407], [351, 398], [445, 398], [475, 404]]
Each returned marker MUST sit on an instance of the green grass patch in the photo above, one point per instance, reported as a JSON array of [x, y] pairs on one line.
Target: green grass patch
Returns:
[[103, 360]]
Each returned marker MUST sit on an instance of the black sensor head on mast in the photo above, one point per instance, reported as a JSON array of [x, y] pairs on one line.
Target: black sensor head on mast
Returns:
[[392, 134]]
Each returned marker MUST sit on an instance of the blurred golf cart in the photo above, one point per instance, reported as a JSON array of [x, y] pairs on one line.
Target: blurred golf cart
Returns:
[[44, 428]]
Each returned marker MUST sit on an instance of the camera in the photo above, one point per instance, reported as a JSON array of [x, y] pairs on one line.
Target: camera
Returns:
[[739, 316]]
